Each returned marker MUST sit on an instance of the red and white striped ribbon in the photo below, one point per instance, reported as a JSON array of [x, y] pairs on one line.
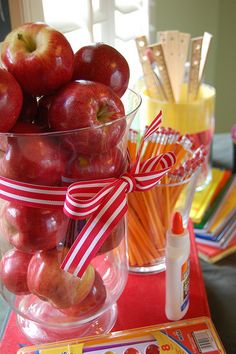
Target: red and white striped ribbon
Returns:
[[106, 208], [103, 202], [151, 129], [32, 195]]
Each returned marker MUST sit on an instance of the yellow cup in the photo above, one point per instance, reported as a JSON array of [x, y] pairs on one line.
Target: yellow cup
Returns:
[[196, 118]]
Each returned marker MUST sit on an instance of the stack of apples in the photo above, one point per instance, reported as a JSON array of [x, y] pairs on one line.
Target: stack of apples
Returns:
[[61, 120]]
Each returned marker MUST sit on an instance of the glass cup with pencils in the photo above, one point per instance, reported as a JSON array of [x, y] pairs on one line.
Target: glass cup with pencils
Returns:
[[150, 212]]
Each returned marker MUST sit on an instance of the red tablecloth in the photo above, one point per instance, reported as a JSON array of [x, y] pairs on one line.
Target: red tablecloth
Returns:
[[141, 304], [143, 300]]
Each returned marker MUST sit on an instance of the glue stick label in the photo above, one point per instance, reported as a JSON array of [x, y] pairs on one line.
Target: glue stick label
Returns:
[[185, 271]]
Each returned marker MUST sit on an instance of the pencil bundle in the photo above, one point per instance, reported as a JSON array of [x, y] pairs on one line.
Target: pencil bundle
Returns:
[[149, 212]]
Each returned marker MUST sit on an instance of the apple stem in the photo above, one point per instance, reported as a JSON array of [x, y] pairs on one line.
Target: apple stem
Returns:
[[103, 112], [30, 45]]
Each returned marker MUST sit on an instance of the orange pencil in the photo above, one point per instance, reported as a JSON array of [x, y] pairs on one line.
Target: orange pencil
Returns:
[[150, 212]]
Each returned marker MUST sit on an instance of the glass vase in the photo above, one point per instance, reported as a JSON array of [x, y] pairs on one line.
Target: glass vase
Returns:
[[50, 303], [150, 215], [195, 118]]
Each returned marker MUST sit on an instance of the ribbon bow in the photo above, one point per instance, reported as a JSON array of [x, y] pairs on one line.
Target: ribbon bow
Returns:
[[103, 202]]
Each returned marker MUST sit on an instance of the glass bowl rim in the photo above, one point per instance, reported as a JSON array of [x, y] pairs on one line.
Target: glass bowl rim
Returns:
[[77, 130], [58, 325]]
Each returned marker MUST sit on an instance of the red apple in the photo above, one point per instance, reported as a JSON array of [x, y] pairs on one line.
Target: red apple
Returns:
[[97, 166], [11, 99], [50, 283], [13, 271], [93, 301], [25, 128], [74, 228], [44, 103], [32, 159], [40, 58], [102, 63], [3, 143], [114, 239], [32, 229], [29, 108], [87, 104]]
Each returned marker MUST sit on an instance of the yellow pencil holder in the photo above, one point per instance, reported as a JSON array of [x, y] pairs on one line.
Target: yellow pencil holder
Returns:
[[149, 218], [196, 118]]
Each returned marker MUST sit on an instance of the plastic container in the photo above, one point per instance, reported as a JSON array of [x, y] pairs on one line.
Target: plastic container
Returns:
[[197, 335], [177, 270]]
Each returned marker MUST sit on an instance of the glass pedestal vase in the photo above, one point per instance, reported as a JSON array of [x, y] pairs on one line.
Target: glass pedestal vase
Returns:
[[40, 333], [43, 321], [52, 304]]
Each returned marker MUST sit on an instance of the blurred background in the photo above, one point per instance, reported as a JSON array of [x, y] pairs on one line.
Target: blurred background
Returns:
[[118, 22]]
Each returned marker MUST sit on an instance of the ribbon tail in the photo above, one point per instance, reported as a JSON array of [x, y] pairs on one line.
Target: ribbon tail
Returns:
[[151, 129], [95, 232]]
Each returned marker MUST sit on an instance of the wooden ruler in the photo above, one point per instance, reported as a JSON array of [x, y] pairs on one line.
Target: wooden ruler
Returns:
[[184, 42], [151, 80], [193, 82], [206, 41], [159, 57], [162, 37], [175, 46]]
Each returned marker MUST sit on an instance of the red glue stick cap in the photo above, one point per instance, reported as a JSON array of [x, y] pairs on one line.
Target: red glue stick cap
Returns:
[[177, 224]]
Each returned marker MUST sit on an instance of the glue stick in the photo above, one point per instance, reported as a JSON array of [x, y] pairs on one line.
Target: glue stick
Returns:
[[177, 269]]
